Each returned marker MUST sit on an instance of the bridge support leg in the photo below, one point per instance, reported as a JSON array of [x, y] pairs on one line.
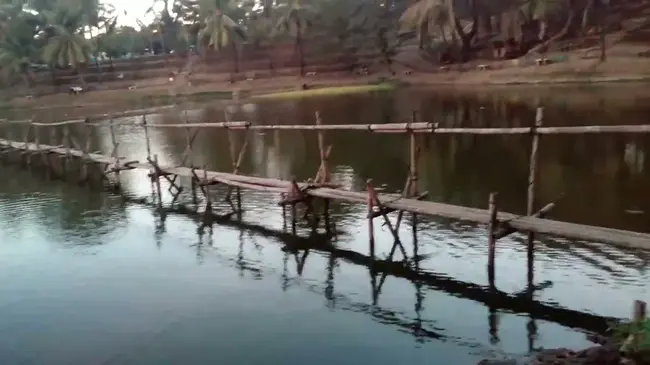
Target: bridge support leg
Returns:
[[236, 159]]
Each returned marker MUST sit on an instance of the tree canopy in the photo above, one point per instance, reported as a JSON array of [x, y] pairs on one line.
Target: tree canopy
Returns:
[[73, 33]]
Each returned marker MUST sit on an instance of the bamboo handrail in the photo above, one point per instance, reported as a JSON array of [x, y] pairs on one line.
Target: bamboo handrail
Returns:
[[419, 128]]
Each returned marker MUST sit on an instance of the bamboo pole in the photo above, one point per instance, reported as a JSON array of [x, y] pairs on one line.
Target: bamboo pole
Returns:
[[115, 155], [422, 127], [207, 215], [491, 237], [66, 143], [157, 181], [146, 135], [371, 227], [28, 157], [532, 177], [323, 174], [86, 151]]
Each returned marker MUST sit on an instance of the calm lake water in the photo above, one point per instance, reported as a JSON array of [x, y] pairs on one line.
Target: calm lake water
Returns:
[[92, 278]]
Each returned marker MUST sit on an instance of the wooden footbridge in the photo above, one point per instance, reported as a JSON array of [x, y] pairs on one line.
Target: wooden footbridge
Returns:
[[73, 158]]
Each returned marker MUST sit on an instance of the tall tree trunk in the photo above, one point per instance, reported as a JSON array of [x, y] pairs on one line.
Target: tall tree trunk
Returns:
[[300, 50], [80, 75], [466, 38], [99, 69], [602, 11], [560, 34], [268, 6], [26, 79], [585, 15], [235, 59], [422, 34]]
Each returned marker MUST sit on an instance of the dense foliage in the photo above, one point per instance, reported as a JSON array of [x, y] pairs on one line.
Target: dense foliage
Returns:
[[59, 34]]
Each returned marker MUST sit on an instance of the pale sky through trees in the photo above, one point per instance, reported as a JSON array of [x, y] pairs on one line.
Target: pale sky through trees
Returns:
[[135, 9]]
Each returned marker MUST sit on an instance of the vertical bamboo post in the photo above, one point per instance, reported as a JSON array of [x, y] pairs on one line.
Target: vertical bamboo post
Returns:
[[157, 180], [195, 199], [37, 144], [28, 152], [413, 161], [86, 152], [293, 218], [532, 177], [114, 154], [55, 161], [492, 226], [323, 174], [188, 148], [371, 227], [66, 144], [236, 160], [146, 135], [208, 199], [410, 187]]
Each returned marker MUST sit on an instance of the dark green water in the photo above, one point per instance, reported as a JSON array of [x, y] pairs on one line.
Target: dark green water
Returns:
[[91, 279]]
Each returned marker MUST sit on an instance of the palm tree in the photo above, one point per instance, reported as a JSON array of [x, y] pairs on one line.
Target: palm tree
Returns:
[[66, 46], [220, 30], [18, 48], [296, 21]]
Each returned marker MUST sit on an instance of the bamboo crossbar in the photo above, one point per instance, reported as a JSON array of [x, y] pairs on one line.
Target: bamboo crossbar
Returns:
[[418, 127], [393, 201], [430, 128]]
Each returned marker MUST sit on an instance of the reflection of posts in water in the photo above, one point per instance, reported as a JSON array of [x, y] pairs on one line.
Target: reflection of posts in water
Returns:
[[493, 325], [419, 295]]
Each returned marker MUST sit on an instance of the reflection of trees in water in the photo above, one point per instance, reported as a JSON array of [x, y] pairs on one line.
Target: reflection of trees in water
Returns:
[[61, 207]]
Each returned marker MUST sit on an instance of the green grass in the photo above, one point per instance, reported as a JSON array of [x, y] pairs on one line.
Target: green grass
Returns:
[[165, 99], [330, 91]]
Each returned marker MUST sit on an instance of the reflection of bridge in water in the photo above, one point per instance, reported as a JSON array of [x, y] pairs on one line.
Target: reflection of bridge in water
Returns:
[[297, 249]]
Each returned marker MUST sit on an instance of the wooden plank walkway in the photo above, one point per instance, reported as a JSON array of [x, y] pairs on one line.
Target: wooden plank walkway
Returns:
[[482, 216]]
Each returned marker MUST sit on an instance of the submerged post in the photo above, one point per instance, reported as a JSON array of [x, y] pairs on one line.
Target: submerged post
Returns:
[[532, 177], [114, 154], [371, 210], [86, 150], [66, 143], [157, 180], [146, 135], [208, 199], [491, 237]]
